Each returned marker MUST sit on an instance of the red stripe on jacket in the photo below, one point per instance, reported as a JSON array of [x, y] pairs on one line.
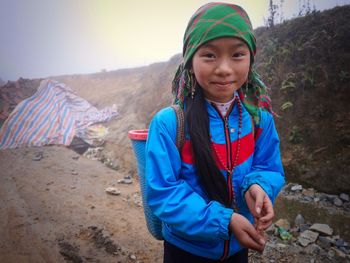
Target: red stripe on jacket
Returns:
[[246, 150]]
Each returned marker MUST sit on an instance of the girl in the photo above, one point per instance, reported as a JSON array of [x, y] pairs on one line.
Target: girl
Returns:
[[229, 171]]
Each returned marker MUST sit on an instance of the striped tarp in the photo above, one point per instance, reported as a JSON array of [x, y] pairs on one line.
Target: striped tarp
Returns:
[[53, 115]]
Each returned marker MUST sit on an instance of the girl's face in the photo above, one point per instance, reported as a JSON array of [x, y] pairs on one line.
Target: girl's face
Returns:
[[221, 67]]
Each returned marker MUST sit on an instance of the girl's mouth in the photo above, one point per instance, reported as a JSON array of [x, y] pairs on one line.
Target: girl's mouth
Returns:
[[223, 84]]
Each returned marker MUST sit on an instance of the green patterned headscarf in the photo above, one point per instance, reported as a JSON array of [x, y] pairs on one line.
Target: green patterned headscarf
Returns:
[[211, 21]]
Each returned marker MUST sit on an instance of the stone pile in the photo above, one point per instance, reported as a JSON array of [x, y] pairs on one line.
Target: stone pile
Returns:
[[302, 242], [341, 201]]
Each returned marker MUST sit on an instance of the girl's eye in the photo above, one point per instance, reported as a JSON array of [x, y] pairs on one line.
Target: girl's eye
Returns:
[[208, 55], [238, 54]]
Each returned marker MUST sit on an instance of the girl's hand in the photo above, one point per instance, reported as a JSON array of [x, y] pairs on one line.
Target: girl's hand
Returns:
[[246, 234], [260, 206]]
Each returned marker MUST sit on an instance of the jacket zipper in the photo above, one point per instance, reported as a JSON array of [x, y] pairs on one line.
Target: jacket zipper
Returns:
[[228, 168], [229, 161]]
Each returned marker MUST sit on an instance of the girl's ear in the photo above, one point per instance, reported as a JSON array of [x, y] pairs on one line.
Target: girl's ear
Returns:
[[191, 67]]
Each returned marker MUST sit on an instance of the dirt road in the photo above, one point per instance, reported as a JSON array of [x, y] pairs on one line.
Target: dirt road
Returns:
[[56, 210]]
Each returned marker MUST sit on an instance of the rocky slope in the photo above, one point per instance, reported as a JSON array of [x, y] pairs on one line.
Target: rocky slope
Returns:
[[306, 62]]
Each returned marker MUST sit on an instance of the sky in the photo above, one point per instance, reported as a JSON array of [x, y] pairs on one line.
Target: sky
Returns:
[[42, 38]]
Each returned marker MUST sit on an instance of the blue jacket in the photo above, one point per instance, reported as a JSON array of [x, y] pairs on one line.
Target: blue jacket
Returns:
[[191, 221]]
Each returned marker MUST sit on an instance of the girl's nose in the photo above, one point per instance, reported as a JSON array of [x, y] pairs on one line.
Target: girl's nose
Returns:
[[224, 67]]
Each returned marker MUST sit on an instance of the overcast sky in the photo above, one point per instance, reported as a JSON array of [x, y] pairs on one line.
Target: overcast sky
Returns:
[[41, 38]]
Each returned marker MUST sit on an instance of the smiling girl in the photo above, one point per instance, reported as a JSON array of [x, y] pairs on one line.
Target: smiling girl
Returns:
[[215, 195]]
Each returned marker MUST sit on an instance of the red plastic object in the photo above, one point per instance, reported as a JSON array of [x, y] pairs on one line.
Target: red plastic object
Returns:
[[138, 135]]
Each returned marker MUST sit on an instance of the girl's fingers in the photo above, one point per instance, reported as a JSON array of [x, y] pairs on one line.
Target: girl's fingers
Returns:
[[262, 226], [256, 222], [267, 213], [268, 217], [259, 203], [254, 235], [250, 203], [251, 244], [246, 234], [247, 240]]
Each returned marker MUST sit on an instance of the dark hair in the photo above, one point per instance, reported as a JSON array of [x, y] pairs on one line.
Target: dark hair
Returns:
[[197, 121]]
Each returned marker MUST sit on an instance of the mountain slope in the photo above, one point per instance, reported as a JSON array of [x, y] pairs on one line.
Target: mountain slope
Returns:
[[306, 62]]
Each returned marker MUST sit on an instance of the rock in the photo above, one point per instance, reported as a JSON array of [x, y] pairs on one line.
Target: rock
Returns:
[[322, 196], [344, 197], [324, 253], [316, 199], [38, 156], [331, 197], [283, 223], [308, 192], [270, 245], [133, 257], [304, 227], [270, 230], [331, 253], [113, 191], [125, 180], [137, 199], [115, 166], [308, 198], [347, 206], [287, 187], [337, 202], [324, 242], [299, 220], [281, 246], [340, 243], [313, 249], [322, 229], [336, 238], [296, 188], [346, 251], [307, 237], [339, 253]]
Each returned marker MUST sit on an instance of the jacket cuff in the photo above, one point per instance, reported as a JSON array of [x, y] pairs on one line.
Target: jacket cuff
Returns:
[[259, 180], [224, 224]]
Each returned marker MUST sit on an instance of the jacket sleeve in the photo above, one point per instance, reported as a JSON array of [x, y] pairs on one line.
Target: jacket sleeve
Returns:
[[267, 170], [170, 197]]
